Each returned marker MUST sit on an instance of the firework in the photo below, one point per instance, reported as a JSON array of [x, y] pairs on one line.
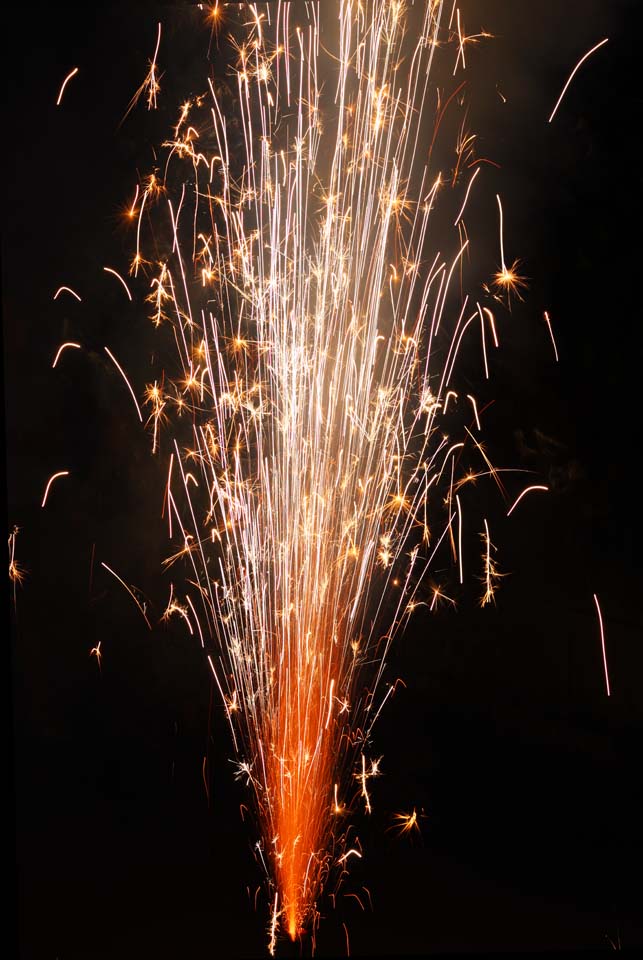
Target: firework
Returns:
[[317, 341], [312, 470]]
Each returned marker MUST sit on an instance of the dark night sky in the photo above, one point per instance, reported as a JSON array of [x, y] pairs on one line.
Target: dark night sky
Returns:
[[503, 734]]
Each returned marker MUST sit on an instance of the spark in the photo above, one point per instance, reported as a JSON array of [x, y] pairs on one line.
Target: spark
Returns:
[[466, 197], [572, 74], [491, 574], [118, 277], [96, 652], [150, 84], [140, 606], [123, 375], [507, 278], [348, 946], [551, 334], [273, 927], [348, 854], [72, 73], [535, 486], [438, 595], [406, 822], [62, 347], [475, 409], [492, 323], [600, 623], [131, 213], [363, 777], [17, 572], [66, 290], [457, 498], [463, 40], [61, 473]]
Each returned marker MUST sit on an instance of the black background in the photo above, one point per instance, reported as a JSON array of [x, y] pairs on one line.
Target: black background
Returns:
[[503, 735]]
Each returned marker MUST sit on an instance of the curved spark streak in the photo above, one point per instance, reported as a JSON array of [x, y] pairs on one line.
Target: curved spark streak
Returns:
[[600, 623], [118, 277], [71, 74], [535, 486], [466, 197], [63, 346], [66, 290], [61, 473], [129, 386], [130, 591], [348, 853], [551, 334], [571, 76], [475, 410]]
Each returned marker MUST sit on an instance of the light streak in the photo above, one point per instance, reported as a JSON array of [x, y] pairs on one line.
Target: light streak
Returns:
[[572, 74], [71, 74], [63, 346], [475, 410], [348, 945], [507, 279], [534, 486], [130, 591], [131, 213], [61, 473], [118, 277], [466, 197], [66, 290], [457, 499], [349, 853], [492, 324], [600, 623], [551, 334], [124, 376]]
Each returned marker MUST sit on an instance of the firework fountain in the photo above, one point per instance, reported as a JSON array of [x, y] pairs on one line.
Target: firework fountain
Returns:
[[311, 473]]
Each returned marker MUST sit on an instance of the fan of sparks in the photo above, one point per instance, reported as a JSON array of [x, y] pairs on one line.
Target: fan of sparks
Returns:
[[316, 342]]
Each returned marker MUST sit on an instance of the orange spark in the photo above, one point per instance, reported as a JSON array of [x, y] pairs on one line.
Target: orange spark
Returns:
[[535, 486], [123, 375], [66, 290], [571, 76], [62, 347], [600, 623], [71, 74], [61, 473], [118, 277]]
